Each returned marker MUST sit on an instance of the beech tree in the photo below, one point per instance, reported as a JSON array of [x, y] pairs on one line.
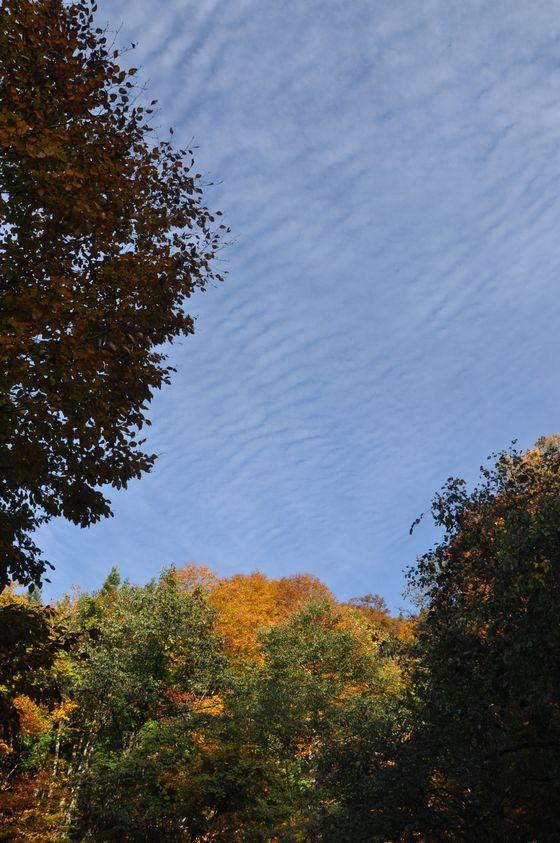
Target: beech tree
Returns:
[[104, 235]]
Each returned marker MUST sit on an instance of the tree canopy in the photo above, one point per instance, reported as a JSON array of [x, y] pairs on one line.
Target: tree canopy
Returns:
[[201, 708], [144, 724], [473, 749], [197, 708], [103, 238]]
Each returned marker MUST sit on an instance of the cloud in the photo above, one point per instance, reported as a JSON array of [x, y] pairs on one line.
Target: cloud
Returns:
[[391, 172]]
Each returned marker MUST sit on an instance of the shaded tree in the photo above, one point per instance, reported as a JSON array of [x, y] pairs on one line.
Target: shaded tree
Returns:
[[473, 752], [103, 238], [32, 638]]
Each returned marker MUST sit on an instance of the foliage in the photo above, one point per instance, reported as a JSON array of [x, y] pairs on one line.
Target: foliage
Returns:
[[32, 637], [199, 708], [155, 730], [314, 672], [103, 238], [249, 604], [195, 708], [489, 652], [473, 749], [154, 662]]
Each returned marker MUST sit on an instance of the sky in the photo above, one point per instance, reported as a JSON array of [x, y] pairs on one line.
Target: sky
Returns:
[[390, 171]]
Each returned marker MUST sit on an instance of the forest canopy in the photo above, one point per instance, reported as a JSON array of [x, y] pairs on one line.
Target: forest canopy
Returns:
[[201, 708], [196, 707]]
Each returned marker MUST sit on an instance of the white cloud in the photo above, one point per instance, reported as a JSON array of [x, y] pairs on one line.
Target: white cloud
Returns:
[[391, 172]]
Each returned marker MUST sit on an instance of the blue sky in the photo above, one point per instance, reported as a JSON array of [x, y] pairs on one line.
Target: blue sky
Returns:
[[391, 173]]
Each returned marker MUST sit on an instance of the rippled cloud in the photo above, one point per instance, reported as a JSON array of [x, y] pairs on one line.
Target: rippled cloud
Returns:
[[391, 313]]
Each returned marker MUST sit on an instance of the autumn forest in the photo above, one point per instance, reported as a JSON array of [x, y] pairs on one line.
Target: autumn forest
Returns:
[[198, 707]]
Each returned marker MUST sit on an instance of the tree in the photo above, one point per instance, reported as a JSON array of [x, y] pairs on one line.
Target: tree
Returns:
[[249, 603], [146, 687], [112, 582], [474, 752], [32, 638], [316, 672], [245, 604], [128, 722], [107, 702], [489, 651], [103, 238]]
